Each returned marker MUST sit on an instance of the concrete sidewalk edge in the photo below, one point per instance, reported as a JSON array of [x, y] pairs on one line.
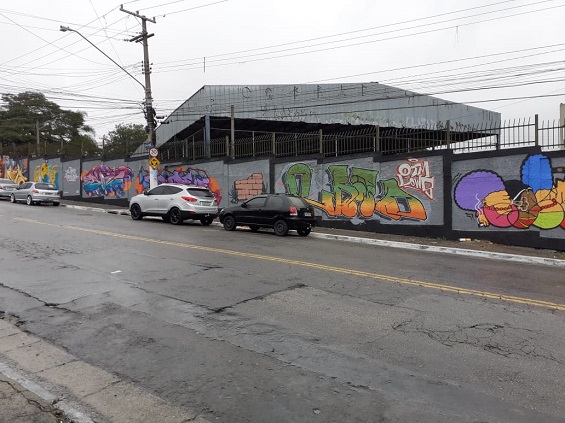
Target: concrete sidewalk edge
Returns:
[[83, 393], [447, 250]]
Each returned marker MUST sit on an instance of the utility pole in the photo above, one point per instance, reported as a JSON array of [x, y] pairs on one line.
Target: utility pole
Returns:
[[149, 110]]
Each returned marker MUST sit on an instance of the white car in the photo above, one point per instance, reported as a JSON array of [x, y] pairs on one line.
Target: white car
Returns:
[[175, 203]]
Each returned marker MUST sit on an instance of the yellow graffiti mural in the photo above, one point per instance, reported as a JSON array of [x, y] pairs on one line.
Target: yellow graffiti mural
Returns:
[[46, 173], [14, 173]]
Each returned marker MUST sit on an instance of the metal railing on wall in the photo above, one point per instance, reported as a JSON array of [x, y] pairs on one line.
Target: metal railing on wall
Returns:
[[372, 139], [368, 139]]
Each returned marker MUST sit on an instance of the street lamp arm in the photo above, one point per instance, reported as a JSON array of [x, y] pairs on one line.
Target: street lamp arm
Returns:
[[66, 28]]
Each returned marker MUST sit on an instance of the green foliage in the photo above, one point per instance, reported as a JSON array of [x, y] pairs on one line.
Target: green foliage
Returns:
[[123, 140], [61, 132]]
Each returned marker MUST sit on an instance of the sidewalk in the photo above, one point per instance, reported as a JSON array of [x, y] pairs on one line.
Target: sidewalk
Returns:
[[468, 247], [40, 383]]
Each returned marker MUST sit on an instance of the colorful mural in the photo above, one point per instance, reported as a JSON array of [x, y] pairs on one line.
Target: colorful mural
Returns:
[[354, 193], [538, 199], [16, 170], [46, 172], [102, 180], [244, 189], [179, 175]]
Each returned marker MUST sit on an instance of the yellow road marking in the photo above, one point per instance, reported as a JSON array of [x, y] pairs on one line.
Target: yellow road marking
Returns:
[[353, 272]]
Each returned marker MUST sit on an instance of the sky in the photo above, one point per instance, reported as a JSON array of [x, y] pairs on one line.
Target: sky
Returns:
[[504, 56]]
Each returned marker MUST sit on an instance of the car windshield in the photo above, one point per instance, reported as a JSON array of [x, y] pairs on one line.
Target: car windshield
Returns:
[[298, 202], [45, 186], [200, 192]]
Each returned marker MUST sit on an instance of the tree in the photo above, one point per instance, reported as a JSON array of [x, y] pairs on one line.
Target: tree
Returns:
[[123, 140], [22, 115]]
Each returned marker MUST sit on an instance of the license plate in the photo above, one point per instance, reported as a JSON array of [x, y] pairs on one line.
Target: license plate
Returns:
[[307, 214]]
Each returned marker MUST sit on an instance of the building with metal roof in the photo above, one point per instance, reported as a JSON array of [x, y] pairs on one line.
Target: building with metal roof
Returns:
[[308, 107]]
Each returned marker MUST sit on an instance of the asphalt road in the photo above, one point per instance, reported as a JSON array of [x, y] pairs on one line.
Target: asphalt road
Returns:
[[250, 327]]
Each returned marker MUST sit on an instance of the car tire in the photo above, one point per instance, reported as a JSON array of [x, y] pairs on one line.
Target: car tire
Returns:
[[229, 223], [254, 228], [280, 227], [175, 216], [135, 212], [13, 199], [207, 221], [304, 231], [29, 201], [56, 204]]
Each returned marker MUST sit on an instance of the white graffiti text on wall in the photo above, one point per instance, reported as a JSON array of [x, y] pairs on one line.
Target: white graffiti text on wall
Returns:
[[415, 173]]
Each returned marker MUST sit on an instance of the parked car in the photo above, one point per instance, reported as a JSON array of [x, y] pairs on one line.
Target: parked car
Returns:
[[175, 203], [36, 193], [281, 212], [6, 188]]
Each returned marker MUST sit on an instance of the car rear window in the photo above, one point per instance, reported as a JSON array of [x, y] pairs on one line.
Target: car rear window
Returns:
[[5, 181], [200, 192], [45, 186], [298, 202]]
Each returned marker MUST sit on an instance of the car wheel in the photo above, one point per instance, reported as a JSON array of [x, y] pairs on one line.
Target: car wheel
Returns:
[[175, 216], [12, 198], [281, 228], [229, 223], [254, 228], [56, 204], [29, 201], [207, 221], [135, 212]]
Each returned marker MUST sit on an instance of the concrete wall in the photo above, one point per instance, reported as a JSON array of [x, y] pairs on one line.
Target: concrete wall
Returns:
[[512, 196]]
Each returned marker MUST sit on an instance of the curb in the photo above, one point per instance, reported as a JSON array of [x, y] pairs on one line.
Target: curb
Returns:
[[395, 244], [68, 411]]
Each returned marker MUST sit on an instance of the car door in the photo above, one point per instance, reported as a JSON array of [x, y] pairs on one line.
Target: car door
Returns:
[[23, 190], [168, 198], [251, 211], [150, 202], [275, 207]]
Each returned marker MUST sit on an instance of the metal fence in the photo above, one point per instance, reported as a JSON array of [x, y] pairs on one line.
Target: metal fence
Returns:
[[367, 139], [372, 139]]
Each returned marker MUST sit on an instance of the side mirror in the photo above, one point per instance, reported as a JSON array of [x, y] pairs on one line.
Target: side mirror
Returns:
[[145, 192], [244, 205]]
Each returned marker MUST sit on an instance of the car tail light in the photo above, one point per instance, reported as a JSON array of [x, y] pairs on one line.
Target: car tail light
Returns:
[[293, 211], [189, 199], [35, 191]]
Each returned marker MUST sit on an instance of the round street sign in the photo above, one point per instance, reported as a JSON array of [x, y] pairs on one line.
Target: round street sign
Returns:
[[153, 152]]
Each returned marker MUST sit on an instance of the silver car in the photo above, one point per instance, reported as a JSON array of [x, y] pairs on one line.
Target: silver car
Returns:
[[36, 193], [6, 187], [175, 203]]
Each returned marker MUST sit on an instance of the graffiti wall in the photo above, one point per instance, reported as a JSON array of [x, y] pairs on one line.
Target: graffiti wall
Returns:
[[245, 180], [512, 193], [70, 176], [46, 170], [406, 192], [517, 198], [182, 174], [110, 180], [16, 169]]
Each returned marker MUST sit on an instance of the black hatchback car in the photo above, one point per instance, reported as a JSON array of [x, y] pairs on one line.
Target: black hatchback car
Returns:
[[282, 212]]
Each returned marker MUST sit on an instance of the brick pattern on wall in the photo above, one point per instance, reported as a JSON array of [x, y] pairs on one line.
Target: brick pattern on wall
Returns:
[[250, 187]]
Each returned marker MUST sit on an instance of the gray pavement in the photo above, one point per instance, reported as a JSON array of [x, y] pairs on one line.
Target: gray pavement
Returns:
[[40, 383], [469, 247]]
